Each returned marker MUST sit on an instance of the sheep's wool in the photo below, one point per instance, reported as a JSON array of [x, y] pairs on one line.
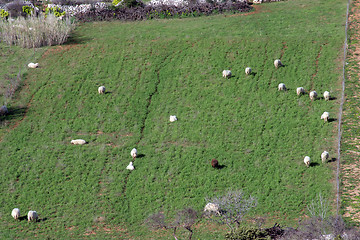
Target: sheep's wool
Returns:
[[173, 118]]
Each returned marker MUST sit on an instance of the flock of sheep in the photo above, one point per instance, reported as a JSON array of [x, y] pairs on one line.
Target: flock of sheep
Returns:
[[299, 91], [210, 207], [214, 208]]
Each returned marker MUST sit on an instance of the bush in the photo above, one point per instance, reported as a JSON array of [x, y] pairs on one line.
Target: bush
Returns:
[[161, 11], [247, 233], [36, 31], [128, 3], [4, 14]]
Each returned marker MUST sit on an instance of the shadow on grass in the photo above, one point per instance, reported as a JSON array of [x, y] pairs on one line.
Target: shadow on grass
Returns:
[[314, 164], [42, 220], [332, 119], [15, 113], [108, 92], [22, 218], [76, 38], [332, 160], [140, 156], [332, 98], [220, 166]]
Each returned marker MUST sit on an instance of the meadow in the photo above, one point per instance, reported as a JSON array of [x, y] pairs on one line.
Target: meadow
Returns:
[[154, 69]]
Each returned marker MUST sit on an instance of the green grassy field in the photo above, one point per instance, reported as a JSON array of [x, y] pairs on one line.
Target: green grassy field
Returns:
[[154, 69]]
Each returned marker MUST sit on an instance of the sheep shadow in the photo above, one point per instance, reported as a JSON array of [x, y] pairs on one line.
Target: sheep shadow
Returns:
[[220, 166], [314, 164], [42, 220], [332, 160], [332, 119], [332, 98], [140, 156], [108, 92], [22, 218], [253, 74]]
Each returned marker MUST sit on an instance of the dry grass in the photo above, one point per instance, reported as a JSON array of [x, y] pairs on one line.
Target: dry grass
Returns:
[[36, 32]]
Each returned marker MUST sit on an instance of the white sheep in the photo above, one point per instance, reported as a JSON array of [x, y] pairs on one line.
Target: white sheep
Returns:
[[101, 90], [133, 153], [212, 207], [325, 116], [326, 96], [15, 213], [307, 161], [3, 110], [324, 156], [277, 63], [226, 73], [33, 65], [173, 118], [32, 216], [78, 142], [130, 166], [282, 87], [300, 90], [313, 95], [247, 71]]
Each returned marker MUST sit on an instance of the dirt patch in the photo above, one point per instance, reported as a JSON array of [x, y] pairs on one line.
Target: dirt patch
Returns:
[[351, 168], [61, 48]]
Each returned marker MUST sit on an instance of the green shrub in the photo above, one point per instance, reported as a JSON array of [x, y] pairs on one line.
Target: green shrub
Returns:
[[27, 10], [4, 14], [128, 3], [54, 10], [247, 233]]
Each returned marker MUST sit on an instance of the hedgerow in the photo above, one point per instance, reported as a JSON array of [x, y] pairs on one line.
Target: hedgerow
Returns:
[[161, 11]]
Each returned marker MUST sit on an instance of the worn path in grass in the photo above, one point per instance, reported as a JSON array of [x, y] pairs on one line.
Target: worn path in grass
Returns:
[[154, 69], [351, 135]]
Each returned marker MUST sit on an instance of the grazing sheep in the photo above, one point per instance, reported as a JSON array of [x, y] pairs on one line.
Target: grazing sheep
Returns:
[[300, 90], [212, 207], [101, 90], [313, 95], [247, 71], [130, 166], [15, 213], [33, 65], [226, 73], [327, 96], [215, 163], [282, 87], [307, 161], [32, 216], [3, 110], [325, 116], [277, 63], [324, 156], [78, 142], [133, 153], [173, 118]]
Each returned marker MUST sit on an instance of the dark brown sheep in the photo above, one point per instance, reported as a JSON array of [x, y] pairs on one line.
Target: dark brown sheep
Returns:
[[214, 163]]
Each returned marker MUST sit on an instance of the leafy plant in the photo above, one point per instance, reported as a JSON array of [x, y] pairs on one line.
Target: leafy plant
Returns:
[[4, 14], [27, 10], [54, 10]]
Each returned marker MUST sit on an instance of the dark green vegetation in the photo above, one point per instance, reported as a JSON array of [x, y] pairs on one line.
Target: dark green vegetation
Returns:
[[155, 69]]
